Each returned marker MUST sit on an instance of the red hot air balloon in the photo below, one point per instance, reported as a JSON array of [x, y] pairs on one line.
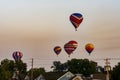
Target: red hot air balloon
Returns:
[[70, 47], [89, 48], [73, 43], [17, 55], [76, 19], [57, 50]]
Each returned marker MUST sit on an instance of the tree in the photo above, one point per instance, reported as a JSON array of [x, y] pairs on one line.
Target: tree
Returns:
[[6, 69], [82, 66], [58, 66], [100, 69], [115, 74], [21, 68], [36, 72]]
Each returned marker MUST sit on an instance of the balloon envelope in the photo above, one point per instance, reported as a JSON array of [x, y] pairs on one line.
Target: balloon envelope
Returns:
[[70, 47], [57, 50], [73, 43], [17, 55], [89, 47], [76, 19]]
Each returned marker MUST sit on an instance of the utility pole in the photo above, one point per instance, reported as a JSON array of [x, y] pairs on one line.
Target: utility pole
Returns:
[[32, 70], [107, 68]]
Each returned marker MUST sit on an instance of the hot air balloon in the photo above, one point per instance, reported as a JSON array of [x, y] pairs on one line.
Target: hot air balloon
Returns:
[[73, 43], [89, 48], [70, 47], [76, 19], [57, 50], [17, 55]]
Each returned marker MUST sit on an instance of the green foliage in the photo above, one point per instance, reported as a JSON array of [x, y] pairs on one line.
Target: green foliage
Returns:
[[8, 67], [82, 66], [58, 66], [36, 72], [100, 69], [21, 67], [115, 75]]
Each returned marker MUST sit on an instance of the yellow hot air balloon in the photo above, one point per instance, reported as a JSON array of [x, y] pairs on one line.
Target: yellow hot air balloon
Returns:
[[89, 47]]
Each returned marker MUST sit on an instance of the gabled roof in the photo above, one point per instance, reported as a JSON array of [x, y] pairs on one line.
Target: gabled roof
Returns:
[[40, 77], [27, 77], [66, 76], [76, 77], [53, 75], [73, 77]]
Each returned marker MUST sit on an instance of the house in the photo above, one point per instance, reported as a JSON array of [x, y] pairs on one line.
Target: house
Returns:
[[53, 75], [69, 76], [61, 76], [66, 76], [76, 77], [41, 77], [27, 77]]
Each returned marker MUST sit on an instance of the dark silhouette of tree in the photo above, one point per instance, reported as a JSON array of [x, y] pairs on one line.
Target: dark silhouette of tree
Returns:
[[115, 74], [21, 68], [58, 66], [82, 66], [36, 72], [100, 69], [8, 67]]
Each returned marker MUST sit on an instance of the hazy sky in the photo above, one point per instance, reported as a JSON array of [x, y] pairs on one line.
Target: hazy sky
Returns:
[[35, 27]]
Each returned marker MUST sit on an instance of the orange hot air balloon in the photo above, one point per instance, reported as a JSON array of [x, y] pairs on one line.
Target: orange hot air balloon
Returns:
[[57, 50], [89, 48]]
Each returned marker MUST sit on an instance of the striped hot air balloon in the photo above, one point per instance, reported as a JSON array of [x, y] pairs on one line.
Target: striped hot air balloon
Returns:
[[73, 43], [57, 50], [76, 19], [70, 47], [17, 55]]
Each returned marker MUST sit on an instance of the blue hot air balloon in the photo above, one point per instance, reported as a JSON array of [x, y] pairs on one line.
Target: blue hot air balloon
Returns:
[[17, 55]]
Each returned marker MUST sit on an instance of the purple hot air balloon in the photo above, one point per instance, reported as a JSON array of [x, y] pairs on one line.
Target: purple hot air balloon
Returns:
[[17, 55]]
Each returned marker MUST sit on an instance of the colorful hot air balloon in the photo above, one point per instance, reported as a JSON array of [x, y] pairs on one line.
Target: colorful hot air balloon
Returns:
[[76, 19], [73, 43], [70, 47], [89, 47], [57, 50], [17, 55]]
